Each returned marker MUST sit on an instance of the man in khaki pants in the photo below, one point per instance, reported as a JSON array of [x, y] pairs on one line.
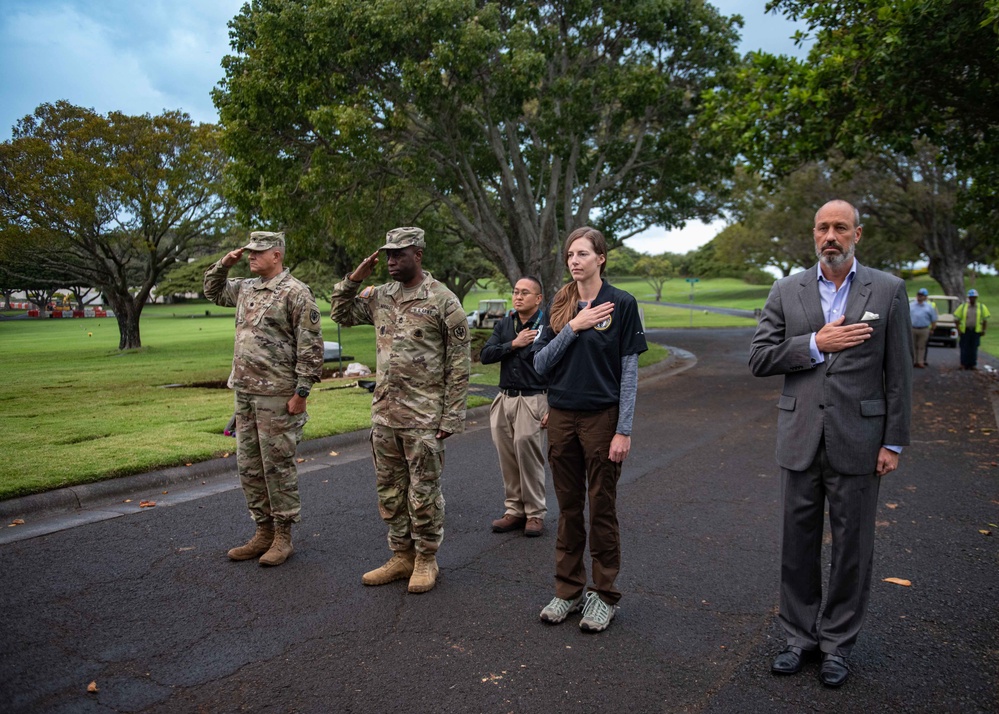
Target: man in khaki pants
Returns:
[[520, 411]]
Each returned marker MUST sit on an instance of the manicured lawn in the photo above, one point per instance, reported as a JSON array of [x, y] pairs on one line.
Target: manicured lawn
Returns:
[[722, 293], [76, 410]]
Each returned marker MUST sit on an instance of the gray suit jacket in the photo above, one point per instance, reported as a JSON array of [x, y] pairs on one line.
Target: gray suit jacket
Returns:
[[860, 398]]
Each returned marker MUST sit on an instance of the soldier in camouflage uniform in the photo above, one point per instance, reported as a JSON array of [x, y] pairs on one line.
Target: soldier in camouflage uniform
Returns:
[[422, 342], [277, 358]]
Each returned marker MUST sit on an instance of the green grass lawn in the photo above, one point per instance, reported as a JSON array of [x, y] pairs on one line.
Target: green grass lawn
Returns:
[[723, 292], [76, 410]]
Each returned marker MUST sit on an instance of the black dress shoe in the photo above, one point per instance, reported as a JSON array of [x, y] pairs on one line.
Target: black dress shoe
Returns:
[[789, 661], [833, 672]]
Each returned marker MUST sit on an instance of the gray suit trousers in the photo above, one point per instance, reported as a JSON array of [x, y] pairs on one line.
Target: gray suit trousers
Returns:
[[853, 502]]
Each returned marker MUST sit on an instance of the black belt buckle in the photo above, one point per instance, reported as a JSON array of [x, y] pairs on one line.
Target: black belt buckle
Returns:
[[523, 392]]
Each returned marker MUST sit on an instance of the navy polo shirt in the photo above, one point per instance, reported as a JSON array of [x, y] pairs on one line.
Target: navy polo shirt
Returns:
[[588, 377]]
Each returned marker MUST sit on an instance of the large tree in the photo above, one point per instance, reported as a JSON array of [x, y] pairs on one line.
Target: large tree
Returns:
[[895, 71], [114, 201], [524, 119], [889, 79]]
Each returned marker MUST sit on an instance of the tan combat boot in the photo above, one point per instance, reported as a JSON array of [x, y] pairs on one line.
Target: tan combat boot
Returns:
[[281, 548], [257, 545], [399, 566], [424, 573]]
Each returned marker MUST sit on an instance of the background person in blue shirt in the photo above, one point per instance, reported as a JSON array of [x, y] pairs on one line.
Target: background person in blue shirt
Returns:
[[924, 320]]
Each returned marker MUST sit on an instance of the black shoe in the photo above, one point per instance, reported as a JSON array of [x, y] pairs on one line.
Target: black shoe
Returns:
[[833, 672], [789, 661]]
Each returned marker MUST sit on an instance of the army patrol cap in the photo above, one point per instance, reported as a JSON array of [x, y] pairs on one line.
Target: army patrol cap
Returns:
[[403, 238], [265, 240]]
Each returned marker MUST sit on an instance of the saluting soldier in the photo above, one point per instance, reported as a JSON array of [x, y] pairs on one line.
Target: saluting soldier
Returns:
[[277, 358], [422, 343]]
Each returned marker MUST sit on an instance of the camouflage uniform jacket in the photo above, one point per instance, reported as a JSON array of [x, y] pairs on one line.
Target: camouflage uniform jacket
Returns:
[[422, 349], [279, 339]]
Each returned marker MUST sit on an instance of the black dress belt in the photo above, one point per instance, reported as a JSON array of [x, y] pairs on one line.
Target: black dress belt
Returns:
[[523, 392]]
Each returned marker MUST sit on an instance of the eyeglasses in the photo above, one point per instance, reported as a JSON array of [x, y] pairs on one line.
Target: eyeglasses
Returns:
[[523, 293]]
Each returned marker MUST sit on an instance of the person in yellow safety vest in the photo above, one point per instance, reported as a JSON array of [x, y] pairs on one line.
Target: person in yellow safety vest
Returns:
[[972, 318]]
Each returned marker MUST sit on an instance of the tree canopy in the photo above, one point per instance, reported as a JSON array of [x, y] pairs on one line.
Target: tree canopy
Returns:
[[110, 201], [656, 270], [886, 74], [521, 119]]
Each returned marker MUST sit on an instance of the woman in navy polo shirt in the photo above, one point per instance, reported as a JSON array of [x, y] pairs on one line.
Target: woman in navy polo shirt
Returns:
[[590, 352]]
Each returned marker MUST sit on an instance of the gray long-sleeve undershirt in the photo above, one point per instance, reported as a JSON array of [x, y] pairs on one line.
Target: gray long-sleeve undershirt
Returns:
[[552, 353]]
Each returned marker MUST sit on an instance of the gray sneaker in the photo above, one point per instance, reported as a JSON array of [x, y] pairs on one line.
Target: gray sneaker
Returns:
[[597, 614], [558, 609]]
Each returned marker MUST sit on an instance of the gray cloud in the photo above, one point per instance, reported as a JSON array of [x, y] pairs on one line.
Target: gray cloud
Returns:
[[135, 57], [145, 56]]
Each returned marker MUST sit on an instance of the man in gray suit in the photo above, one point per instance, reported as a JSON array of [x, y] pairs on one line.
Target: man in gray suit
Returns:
[[840, 334]]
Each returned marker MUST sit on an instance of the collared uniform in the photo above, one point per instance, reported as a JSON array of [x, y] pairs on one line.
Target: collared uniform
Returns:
[[584, 397], [422, 347], [515, 417], [278, 347]]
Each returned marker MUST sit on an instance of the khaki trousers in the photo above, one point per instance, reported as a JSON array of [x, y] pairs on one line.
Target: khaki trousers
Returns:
[[515, 423], [920, 339]]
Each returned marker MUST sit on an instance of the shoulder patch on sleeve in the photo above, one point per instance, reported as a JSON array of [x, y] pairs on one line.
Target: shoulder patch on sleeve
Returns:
[[457, 326], [314, 317], [367, 292]]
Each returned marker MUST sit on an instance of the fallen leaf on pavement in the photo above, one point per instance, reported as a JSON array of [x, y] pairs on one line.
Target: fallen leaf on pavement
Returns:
[[892, 506], [128, 500], [333, 453], [898, 581], [92, 687], [300, 460], [166, 492], [985, 532], [147, 504], [17, 522]]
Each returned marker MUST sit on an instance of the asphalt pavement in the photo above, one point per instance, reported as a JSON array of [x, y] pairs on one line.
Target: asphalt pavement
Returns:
[[144, 604]]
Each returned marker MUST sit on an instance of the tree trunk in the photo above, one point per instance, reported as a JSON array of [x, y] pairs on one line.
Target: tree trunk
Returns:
[[949, 273], [127, 313], [947, 253]]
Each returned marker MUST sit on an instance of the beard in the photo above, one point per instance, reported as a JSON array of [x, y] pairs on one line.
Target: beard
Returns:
[[838, 259]]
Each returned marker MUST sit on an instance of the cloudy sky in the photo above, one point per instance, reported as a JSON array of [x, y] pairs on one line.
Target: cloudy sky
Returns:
[[146, 56]]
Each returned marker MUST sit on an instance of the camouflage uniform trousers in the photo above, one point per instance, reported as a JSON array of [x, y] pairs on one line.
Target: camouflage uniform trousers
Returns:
[[408, 466], [266, 439]]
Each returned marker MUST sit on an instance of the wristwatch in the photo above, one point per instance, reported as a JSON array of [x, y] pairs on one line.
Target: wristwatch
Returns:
[[303, 392]]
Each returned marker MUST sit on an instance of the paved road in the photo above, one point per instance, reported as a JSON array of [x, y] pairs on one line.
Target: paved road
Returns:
[[147, 606]]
